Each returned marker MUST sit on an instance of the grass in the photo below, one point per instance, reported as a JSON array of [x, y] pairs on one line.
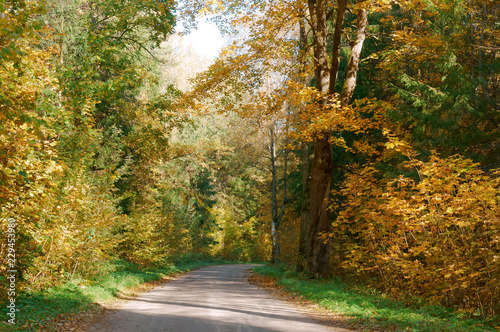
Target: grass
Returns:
[[370, 310], [40, 309]]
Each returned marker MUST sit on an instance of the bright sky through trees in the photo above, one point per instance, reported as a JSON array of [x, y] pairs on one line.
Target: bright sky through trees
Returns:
[[207, 40]]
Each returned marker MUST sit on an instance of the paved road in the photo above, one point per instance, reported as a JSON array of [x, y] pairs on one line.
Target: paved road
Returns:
[[212, 299]]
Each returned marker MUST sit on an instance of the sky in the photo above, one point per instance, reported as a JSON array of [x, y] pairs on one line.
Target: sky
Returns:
[[206, 40]]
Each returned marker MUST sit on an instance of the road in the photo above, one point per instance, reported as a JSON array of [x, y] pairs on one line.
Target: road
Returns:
[[211, 299]]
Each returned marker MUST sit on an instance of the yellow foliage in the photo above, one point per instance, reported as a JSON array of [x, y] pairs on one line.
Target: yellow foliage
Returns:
[[436, 236]]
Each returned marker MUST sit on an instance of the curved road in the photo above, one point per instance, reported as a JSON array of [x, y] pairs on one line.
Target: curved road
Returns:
[[215, 298]]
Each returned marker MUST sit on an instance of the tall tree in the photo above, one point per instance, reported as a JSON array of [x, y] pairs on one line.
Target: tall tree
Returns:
[[326, 73], [270, 35]]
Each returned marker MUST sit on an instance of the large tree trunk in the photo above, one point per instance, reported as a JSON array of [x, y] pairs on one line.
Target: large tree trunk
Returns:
[[353, 65], [305, 216], [337, 38], [321, 158], [317, 13], [321, 181]]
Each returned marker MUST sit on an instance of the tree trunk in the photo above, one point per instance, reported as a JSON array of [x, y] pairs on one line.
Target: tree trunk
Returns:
[[274, 203], [304, 252], [321, 181], [276, 217], [337, 38], [321, 158], [317, 12], [353, 65]]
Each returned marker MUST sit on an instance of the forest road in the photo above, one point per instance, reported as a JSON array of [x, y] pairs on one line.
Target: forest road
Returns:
[[215, 298]]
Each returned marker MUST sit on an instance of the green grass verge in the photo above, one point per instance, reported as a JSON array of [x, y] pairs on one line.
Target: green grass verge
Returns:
[[370, 309], [38, 307]]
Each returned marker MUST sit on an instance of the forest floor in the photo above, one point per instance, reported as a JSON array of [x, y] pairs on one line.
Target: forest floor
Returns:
[[222, 301], [308, 307], [361, 308]]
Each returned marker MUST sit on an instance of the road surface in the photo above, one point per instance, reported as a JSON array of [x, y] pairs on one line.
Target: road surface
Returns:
[[211, 299]]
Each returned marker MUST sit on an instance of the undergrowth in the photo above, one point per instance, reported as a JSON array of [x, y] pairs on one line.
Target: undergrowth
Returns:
[[370, 309]]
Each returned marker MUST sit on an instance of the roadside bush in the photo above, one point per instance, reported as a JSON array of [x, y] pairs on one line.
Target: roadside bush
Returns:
[[435, 237]]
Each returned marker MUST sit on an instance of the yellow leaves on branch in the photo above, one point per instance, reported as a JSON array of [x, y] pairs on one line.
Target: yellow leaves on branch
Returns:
[[396, 145], [320, 113]]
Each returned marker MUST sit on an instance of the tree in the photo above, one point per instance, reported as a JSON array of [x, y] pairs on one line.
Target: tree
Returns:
[[271, 35], [441, 68], [326, 81]]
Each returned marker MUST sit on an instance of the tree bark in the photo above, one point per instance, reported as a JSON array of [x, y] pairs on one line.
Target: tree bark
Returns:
[[303, 251], [274, 204], [337, 38], [353, 65], [321, 181], [276, 217], [317, 12], [321, 158]]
